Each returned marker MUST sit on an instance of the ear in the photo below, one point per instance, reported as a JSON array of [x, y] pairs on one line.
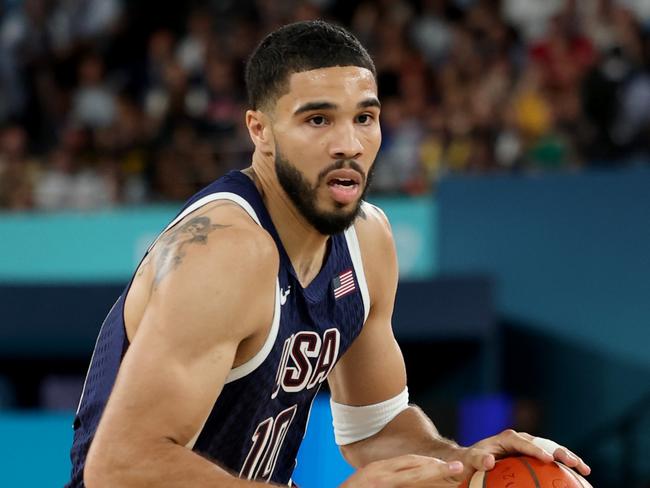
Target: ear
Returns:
[[259, 129]]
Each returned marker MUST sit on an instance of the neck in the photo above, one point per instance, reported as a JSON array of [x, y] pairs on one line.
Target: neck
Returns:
[[305, 246]]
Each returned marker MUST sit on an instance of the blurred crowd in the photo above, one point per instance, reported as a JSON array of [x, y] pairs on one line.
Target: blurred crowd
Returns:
[[108, 102]]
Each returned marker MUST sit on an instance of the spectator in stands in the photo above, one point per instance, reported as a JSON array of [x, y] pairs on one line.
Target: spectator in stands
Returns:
[[469, 86], [193, 47], [71, 183], [18, 171], [93, 103]]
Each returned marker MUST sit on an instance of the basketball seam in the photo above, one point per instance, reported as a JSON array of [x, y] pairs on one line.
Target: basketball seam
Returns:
[[531, 471]]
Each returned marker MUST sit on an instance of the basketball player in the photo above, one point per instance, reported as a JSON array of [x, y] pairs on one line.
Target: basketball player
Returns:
[[269, 282]]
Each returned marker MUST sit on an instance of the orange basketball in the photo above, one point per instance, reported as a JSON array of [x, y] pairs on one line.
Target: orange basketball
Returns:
[[526, 472]]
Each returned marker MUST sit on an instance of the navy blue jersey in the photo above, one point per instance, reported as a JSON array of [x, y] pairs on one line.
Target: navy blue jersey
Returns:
[[257, 424]]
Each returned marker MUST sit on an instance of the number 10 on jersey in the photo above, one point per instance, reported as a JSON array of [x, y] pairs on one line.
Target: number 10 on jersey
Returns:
[[267, 441]]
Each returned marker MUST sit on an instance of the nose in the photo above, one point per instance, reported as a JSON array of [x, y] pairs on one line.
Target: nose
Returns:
[[345, 143]]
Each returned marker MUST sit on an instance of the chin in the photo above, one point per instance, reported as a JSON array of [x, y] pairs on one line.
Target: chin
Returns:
[[341, 209]]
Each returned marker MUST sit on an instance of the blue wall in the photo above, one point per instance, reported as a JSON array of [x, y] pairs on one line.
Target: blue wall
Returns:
[[569, 255]]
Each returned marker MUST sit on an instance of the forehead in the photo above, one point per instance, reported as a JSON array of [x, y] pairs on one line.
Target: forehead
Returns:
[[338, 84]]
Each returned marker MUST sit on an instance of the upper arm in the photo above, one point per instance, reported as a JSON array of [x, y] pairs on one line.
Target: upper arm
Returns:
[[187, 337], [372, 369]]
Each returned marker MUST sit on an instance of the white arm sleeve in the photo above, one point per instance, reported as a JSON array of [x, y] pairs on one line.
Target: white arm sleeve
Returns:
[[352, 424]]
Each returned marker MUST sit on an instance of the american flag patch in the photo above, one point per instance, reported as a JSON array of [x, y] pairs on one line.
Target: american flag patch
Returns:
[[343, 284]]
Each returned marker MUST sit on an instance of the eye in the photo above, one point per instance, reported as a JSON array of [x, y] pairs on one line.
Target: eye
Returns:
[[365, 119], [317, 121]]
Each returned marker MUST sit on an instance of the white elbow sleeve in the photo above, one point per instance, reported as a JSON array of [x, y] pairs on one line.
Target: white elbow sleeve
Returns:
[[352, 424]]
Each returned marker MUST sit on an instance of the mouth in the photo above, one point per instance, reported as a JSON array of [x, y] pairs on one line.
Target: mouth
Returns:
[[344, 185]]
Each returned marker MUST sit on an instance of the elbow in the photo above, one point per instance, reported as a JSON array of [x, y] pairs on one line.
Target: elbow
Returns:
[[348, 454], [354, 454], [114, 463], [93, 478], [103, 469], [94, 474]]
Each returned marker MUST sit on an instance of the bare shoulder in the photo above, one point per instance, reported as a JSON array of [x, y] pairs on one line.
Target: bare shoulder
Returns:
[[377, 250], [216, 260], [372, 223], [222, 231], [374, 233]]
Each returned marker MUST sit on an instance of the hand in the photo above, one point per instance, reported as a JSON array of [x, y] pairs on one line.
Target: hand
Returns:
[[483, 455], [410, 470]]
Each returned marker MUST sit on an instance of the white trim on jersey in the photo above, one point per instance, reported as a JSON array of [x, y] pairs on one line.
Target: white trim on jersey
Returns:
[[223, 195], [355, 255], [253, 363]]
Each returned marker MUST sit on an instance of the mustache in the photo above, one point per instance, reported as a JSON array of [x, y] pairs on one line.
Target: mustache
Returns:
[[340, 164]]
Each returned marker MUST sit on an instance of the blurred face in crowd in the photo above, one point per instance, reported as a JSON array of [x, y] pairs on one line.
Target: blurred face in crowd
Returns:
[[326, 134]]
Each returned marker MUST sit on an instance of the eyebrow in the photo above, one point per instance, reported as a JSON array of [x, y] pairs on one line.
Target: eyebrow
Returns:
[[369, 102], [312, 106]]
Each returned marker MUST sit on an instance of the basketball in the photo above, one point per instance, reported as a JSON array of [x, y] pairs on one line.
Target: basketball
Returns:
[[526, 472]]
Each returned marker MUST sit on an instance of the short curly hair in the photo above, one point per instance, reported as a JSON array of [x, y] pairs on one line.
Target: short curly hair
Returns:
[[295, 48]]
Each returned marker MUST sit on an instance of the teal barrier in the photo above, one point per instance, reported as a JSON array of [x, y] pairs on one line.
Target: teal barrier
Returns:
[[75, 246], [35, 450], [106, 246], [415, 224]]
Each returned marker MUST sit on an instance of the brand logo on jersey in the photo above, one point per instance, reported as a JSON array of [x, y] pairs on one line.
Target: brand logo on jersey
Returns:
[[284, 295], [296, 370]]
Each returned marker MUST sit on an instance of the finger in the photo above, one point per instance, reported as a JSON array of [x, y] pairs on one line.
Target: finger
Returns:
[[480, 459], [562, 454], [571, 460], [407, 461], [425, 474], [512, 441], [527, 436]]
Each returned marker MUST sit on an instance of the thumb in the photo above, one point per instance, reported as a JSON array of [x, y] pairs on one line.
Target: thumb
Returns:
[[480, 460]]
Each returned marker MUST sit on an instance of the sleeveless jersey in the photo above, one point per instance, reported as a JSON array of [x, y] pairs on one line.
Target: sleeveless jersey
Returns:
[[257, 423]]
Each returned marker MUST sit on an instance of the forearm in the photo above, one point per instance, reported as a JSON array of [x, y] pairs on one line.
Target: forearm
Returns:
[[167, 465], [411, 432]]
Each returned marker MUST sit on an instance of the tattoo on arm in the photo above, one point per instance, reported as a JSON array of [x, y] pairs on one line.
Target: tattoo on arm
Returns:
[[170, 249]]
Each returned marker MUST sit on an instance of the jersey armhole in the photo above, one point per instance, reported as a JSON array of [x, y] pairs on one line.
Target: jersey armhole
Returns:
[[253, 363], [224, 195]]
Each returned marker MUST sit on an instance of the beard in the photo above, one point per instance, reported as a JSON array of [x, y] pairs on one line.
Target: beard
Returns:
[[304, 196]]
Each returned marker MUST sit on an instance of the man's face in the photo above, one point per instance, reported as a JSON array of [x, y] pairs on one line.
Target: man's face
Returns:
[[327, 135]]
